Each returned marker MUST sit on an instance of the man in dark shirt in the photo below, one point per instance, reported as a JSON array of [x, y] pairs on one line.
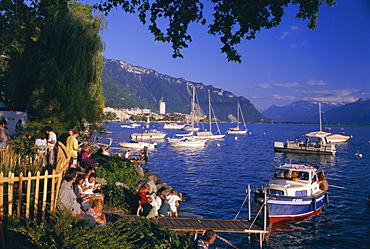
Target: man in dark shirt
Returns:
[[203, 243]]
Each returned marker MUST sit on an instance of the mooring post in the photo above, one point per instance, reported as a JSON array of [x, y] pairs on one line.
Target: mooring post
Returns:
[[249, 203]]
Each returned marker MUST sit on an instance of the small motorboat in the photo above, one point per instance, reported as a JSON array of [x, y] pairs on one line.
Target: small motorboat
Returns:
[[293, 192], [173, 126], [137, 145], [149, 134], [133, 125], [186, 142]]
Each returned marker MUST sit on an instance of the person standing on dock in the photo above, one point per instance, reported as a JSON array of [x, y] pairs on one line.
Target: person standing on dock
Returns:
[[173, 200], [203, 243]]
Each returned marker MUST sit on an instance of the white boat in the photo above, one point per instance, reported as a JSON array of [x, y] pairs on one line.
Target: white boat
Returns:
[[332, 138], [149, 134], [208, 134], [337, 138], [188, 140], [138, 145], [173, 126], [318, 145], [133, 125], [294, 191], [236, 130], [189, 128]]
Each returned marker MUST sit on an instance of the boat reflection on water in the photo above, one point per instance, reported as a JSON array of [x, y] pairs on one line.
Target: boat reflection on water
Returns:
[[288, 225]]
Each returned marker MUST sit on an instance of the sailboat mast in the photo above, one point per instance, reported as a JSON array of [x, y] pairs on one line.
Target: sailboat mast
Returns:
[[320, 116], [209, 111], [237, 111], [192, 111]]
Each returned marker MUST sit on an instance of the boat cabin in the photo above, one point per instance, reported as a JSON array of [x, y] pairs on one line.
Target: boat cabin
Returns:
[[296, 180]]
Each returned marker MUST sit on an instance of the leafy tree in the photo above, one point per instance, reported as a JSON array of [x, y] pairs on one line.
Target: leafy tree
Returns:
[[58, 75], [233, 20]]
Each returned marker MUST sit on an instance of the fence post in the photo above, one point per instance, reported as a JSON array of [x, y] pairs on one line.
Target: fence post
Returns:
[[37, 193]]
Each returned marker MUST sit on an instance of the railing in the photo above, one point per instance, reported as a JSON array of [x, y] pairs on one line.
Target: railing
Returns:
[[30, 196]]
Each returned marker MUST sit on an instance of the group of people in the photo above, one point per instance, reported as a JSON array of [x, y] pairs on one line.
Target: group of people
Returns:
[[77, 196], [151, 205]]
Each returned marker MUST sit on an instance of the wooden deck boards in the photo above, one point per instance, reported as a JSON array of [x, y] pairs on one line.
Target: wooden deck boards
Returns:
[[198, 224]]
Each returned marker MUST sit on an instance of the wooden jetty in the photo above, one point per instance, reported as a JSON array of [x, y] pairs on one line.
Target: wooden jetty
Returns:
[[197, 225]]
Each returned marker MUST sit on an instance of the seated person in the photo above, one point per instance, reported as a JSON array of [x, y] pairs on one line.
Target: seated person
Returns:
[[86, 160], [67, 198], [95, 215], [295, 176], [89, 186], [146, 209], [82, 198]]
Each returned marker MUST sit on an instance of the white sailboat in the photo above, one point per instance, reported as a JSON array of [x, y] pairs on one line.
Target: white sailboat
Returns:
[[332, 138], [236, 130], [188, 140], [209, 134]]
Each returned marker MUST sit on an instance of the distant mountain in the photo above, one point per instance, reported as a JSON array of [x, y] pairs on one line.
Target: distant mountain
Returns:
[[299, 111], [307, 111], [357, 112], [127, 86]]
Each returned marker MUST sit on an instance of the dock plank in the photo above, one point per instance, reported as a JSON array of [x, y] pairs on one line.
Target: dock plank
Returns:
[[200, 224]]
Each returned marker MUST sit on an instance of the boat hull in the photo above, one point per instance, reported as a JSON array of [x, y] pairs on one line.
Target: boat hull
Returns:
[[187, 128], [173, 126], [284, 207], [294, 147], [147, 136], [237, 132], [138, 145]]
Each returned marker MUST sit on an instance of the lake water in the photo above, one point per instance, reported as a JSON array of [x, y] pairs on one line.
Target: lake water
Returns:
[[214, 180]]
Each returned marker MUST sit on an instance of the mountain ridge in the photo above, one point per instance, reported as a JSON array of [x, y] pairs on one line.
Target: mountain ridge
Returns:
[[150, 86], [128, 86]]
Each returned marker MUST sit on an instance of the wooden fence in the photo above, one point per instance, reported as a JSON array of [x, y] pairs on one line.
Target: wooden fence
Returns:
[[31, 196]]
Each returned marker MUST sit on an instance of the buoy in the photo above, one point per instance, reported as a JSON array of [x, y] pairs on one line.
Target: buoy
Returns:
[[264, 133], [358, 155], [218, 144], [236, 138]]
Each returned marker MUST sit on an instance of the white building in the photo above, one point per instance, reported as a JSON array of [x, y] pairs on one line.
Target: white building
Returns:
[[162, 107]]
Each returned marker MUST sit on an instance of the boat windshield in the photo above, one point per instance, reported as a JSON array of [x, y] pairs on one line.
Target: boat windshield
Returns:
[[291, 175]]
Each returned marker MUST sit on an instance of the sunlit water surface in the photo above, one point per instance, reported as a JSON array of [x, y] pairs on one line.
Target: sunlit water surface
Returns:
[[214, 180]]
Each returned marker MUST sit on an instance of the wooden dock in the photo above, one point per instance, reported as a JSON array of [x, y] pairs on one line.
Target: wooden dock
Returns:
[[197, 225]]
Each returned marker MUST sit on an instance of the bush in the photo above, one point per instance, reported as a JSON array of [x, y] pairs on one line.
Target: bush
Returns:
[[114, 169], [64, 231], [118, 196]]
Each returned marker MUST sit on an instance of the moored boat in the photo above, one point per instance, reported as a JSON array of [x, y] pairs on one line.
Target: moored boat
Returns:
[[204, 135], [189, 128], [236, 130], [148, 135], [137, 145], [293, 192], [173, 126], [337, 138], [186, 142], [132, 125], [319, 146]]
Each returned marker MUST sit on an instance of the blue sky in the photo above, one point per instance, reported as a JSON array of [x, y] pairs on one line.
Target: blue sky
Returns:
[[282, 65]]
